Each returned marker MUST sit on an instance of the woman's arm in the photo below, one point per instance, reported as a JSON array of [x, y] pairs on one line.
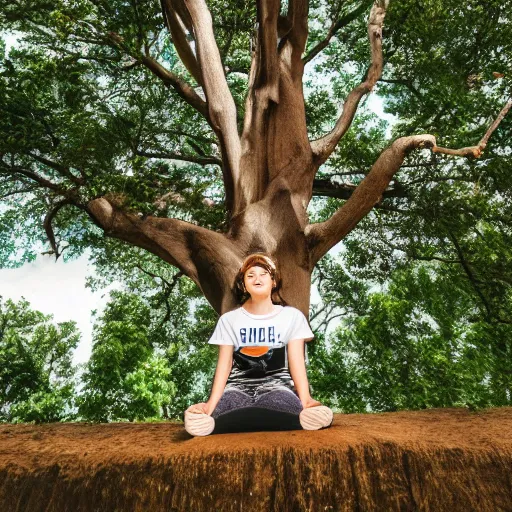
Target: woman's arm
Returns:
[[224, 364], [297, 367]]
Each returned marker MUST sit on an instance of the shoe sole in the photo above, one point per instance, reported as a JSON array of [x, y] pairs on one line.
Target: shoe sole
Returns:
[[315, 418], [198, 424]]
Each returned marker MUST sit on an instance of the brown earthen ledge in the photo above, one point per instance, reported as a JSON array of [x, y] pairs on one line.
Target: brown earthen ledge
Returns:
[[434, 460]]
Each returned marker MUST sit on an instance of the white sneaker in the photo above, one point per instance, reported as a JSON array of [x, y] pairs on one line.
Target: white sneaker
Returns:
[[198, 423], [315, 418]]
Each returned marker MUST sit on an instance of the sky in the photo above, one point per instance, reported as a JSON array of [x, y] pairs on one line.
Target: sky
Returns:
[[58, 288]]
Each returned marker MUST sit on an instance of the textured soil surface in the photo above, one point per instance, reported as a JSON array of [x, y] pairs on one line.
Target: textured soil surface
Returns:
[[439, 459]]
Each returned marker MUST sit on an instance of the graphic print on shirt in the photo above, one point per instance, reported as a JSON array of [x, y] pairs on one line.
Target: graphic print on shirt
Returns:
[[254, 353], [259, 335], [259, 347]]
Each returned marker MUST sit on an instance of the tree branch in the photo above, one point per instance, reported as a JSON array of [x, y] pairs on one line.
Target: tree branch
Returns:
[[298, 18], [168, 289], [43, 182], [334, 29], [196, 136], [495, 124], [324, 235], [184, 89], [156, 276], [210, 259], [323, 147], [47, 224], [326, 188], [61, 169], [403, 82], [179, 37], [227, 46], [315, 313], [202, 160], [476, 151], [221, 106], [19, 191], [263, 87], [267, 69], [469, 273], [274, 137]]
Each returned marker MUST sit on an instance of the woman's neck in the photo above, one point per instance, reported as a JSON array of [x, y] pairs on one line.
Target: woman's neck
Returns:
[[259, 307]]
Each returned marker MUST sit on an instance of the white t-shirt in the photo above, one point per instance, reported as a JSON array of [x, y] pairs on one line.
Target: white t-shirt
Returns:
[[243, 329], [259, 342]]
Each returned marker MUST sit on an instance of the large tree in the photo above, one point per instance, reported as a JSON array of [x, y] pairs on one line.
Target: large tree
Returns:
[[101, 97]]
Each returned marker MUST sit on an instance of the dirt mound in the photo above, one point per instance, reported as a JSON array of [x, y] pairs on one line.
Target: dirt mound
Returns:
[[436, 460]]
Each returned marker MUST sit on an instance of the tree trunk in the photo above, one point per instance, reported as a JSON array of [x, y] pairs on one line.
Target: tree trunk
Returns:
[[268, 173], [276, 225]]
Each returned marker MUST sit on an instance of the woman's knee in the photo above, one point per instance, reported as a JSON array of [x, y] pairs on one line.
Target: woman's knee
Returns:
[[283, 400], [230, 400]]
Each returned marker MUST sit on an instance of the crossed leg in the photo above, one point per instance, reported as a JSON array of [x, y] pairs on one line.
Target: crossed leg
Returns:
[[279, 409]]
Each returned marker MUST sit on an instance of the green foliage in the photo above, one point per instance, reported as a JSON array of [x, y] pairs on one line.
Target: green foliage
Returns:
[[70, 93], [123, 379], [36, 371], [65, 93], [149, 359], [417, 344], [446, 54]]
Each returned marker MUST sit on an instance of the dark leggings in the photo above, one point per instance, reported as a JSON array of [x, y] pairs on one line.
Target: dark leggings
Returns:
[[281, 400]]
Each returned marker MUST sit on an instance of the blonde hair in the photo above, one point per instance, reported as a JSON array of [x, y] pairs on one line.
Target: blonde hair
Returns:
[[259, 259]]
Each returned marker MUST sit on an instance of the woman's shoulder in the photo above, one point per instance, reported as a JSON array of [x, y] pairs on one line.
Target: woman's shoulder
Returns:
[[292, 309], [281, 311]]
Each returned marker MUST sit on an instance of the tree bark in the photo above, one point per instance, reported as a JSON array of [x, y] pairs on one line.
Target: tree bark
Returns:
[[210, 259], [221, 106]]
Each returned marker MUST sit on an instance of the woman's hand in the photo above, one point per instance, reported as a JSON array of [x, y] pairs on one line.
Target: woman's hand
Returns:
[[201, 408], [310, 402]]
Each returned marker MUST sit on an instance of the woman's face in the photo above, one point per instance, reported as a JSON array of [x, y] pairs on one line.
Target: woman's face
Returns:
[[258, 282]]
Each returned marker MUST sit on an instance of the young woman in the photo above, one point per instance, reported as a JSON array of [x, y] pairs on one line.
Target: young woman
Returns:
[[260, 381]]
